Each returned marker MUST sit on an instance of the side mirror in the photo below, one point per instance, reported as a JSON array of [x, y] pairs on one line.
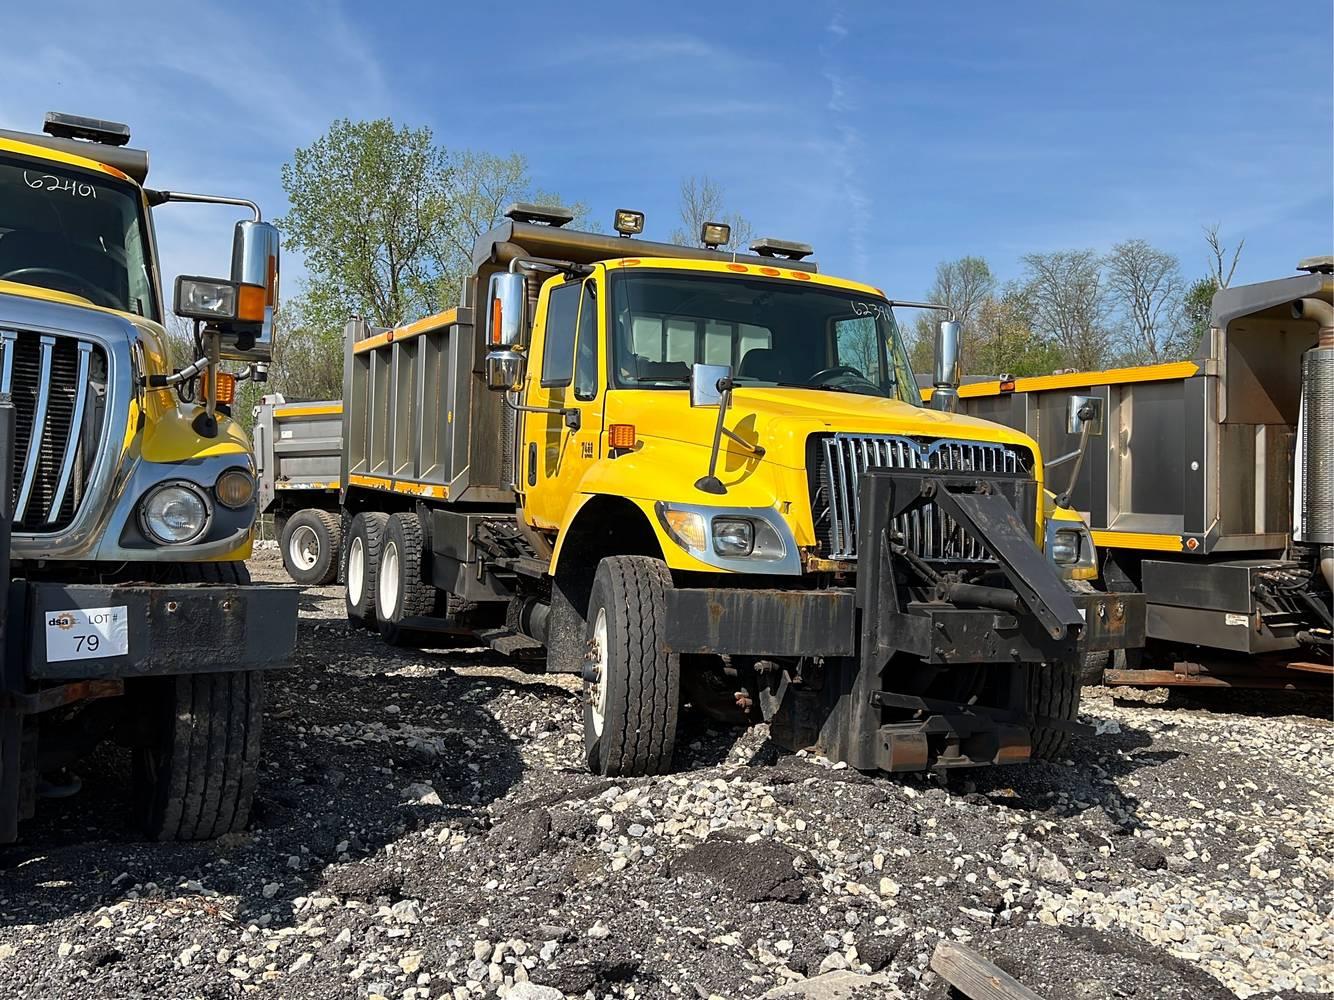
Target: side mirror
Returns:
[[704, 388], [255, 255], [506, 296], [1081, 411], [946, 381], [504, 370]]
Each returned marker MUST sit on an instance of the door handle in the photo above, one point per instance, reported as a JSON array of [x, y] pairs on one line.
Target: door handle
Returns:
[[532, 463], [574, 418]]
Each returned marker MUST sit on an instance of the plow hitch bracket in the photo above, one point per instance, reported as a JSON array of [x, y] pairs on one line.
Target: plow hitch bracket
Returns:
[[989, 517]]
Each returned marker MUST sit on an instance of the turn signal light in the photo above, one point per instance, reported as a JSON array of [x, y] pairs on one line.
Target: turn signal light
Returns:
[[495, 321], [250, 303], [224, 386], [621, 436]]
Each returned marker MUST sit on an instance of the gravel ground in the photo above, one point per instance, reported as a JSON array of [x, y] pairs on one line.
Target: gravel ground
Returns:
[[424, 828]]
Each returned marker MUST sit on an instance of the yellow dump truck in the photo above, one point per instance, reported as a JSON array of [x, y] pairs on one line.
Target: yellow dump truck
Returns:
[[692, 475], [127, 492]]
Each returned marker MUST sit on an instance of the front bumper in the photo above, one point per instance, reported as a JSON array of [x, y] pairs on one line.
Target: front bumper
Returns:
[[82, 632], [881, 650], [824, 623]]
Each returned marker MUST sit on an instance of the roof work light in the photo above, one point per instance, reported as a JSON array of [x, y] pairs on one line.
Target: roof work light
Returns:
[[715, 234], [628, 222]]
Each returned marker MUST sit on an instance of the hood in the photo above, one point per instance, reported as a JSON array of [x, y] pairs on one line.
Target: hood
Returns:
[[781, 419], [778, 410]]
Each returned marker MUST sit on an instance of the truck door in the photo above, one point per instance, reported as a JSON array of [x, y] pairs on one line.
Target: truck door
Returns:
[[559, 449]]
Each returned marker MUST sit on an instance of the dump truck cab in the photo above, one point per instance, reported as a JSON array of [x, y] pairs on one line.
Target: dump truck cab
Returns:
[[711, 480], [127, 492]]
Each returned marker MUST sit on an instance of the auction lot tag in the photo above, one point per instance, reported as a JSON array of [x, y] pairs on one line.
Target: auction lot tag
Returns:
[[87, 633]]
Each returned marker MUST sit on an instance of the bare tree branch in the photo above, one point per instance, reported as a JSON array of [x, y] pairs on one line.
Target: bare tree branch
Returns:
[[702, 201], [1146, 285], [1219, 254]]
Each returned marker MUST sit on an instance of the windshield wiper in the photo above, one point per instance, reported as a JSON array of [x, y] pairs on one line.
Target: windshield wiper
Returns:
[[820, 388]]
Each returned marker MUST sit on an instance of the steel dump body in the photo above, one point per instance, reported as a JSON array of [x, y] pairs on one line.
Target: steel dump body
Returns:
[[298, 452], [1189, 489], [414, 421]]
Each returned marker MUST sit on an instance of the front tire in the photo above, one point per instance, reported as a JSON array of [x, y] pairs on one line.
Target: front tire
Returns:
[[1053, 693], [194, 777], [365, 539], [631, 683], [310, 541]]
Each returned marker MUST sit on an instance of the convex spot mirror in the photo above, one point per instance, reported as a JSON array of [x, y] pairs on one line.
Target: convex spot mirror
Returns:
[[1081, 410], [504, 371], [506, 295], [704, 384]]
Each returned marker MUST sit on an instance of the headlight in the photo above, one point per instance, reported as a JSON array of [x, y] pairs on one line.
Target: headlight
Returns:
[[1071, 550], [737, 538], [234, 488], [174, 514], [733, 536], [1065, 547]]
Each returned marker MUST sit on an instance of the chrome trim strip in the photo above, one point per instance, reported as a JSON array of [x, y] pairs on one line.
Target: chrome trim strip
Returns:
[[8, 339], [115, 336], [81, 390], [38, 428]]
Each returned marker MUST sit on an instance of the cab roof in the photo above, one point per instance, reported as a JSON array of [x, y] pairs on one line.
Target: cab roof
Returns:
[[118, 161]]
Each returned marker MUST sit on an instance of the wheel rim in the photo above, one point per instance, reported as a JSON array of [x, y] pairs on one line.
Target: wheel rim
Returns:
[[303, 548], [388, 581], [356, 571], [597, 687]]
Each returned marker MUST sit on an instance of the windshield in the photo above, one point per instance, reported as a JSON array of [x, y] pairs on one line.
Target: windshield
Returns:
[[74, 231], [772, 333]]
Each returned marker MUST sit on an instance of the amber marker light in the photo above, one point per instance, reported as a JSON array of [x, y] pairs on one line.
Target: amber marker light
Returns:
[[621, 436], [496, 310], [224, 388]]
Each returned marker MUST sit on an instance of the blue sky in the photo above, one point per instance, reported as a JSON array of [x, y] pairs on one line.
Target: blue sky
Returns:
[[889, 135]]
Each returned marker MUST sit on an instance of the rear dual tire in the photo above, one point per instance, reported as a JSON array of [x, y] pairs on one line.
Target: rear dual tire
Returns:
[[364, 542], [401, 590]]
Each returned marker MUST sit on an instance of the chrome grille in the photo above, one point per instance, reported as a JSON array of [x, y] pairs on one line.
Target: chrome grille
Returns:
[[54, 381], [927, 531]]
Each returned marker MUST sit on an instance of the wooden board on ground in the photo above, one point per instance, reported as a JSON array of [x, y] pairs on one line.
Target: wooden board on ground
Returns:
[[975, 977]]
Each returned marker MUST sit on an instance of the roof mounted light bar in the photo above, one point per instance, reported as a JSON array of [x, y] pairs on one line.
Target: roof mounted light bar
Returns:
[[543, 215], [767, 246], [98, 130]]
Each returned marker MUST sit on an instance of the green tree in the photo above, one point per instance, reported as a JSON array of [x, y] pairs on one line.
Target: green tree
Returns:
[[386, 219], [368, 209], [1003, 341], [1196, 307]]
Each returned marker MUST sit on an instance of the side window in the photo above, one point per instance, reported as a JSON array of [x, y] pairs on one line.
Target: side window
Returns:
[[586, 350], [558, 345], [857, 345]]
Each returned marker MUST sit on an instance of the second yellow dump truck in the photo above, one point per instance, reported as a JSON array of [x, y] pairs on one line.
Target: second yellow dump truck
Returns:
[[691, 475], [127, 492]]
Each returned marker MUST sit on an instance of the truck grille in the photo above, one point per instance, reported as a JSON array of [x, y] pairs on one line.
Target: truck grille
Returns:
[[54, 381], [840, 459]]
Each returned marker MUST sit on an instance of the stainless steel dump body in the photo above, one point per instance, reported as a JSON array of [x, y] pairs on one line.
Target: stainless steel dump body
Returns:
[[298, 451]]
